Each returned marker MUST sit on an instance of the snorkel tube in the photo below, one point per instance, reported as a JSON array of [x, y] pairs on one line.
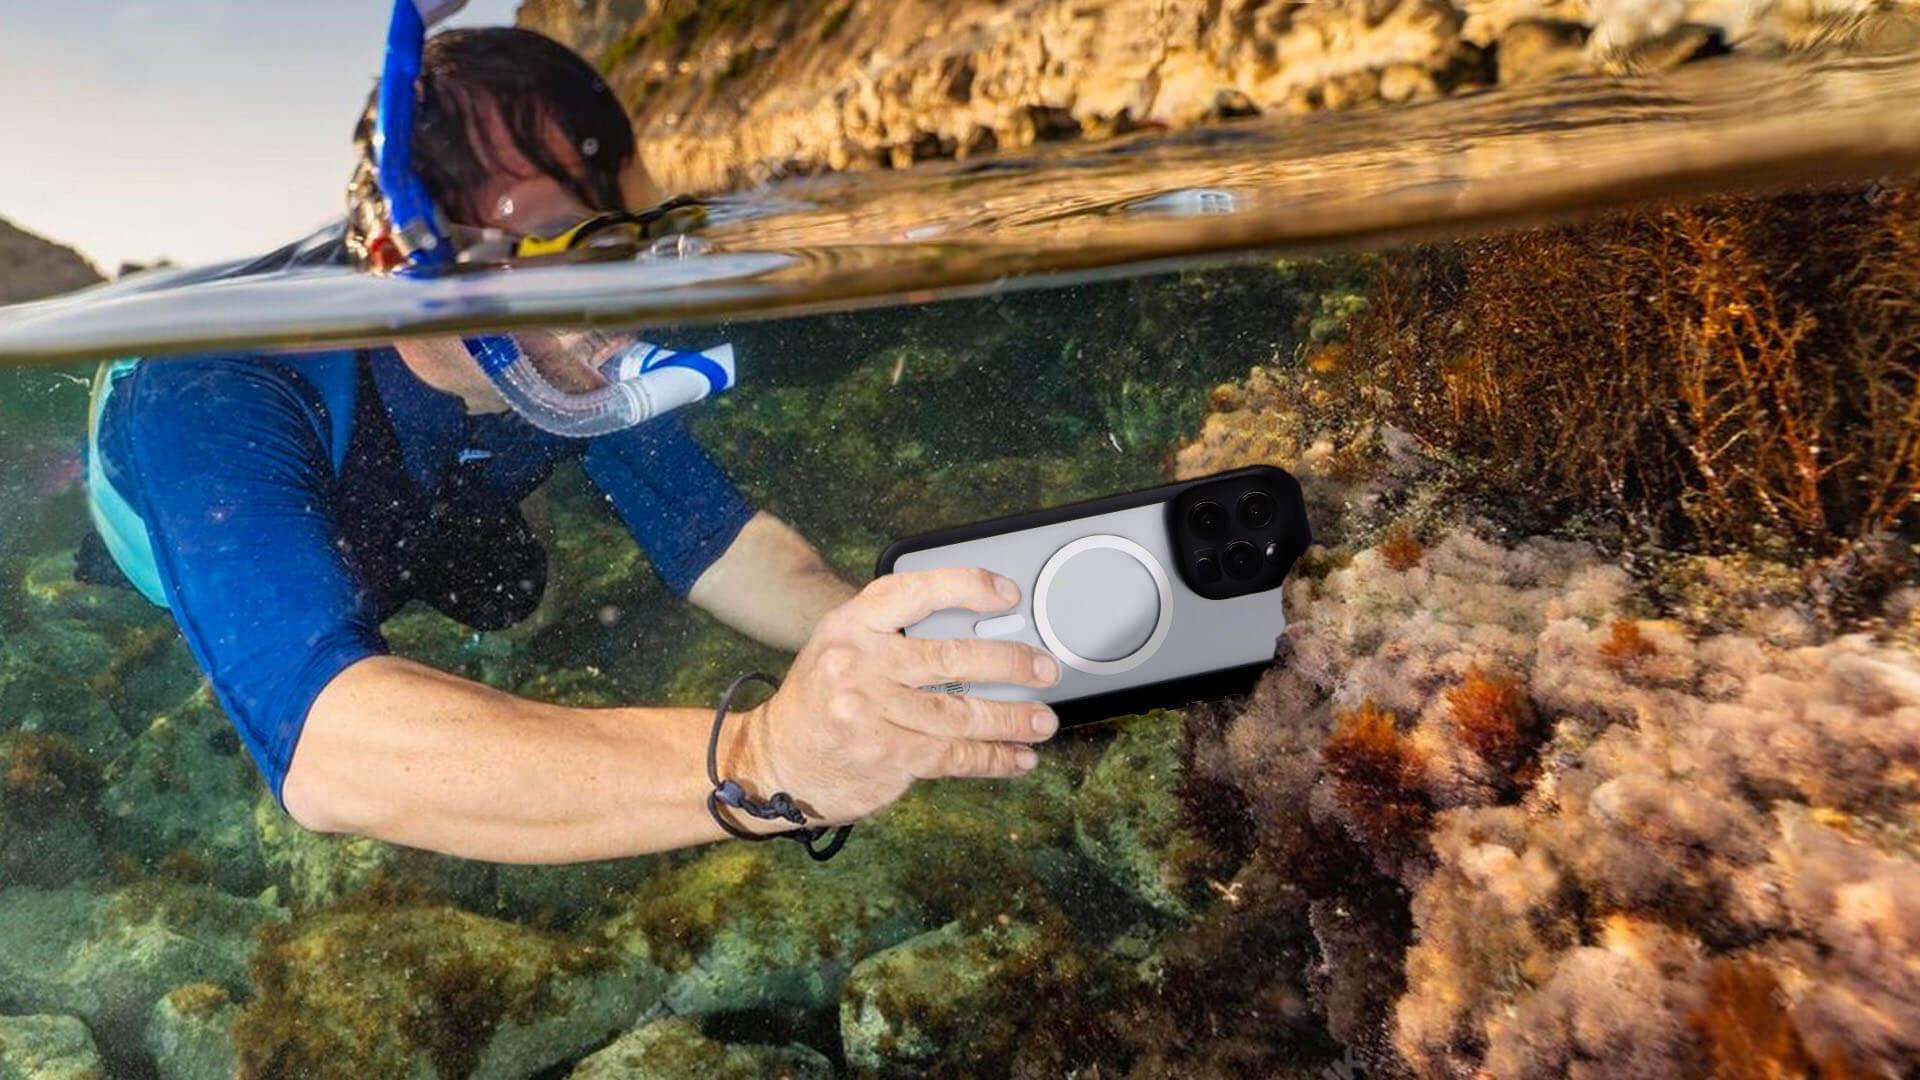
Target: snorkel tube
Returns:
[[410, 210], [645, 380]]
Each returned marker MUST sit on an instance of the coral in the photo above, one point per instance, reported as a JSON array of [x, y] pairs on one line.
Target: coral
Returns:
[[1617, 1008], [1587, 817]]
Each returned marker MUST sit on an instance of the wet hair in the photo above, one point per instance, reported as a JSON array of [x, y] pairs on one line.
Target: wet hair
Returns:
[[538, 86]]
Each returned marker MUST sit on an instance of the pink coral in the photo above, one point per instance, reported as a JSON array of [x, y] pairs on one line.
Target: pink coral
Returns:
[[1684, 803]]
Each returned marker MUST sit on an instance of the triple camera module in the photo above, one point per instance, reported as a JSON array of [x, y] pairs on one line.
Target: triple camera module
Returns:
[[1239, 533]]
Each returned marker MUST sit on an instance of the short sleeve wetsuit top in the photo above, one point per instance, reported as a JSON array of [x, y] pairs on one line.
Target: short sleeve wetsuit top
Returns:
[[292, 504]]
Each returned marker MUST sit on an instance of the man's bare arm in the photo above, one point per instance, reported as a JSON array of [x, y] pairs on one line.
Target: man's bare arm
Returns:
[[770, 584], [400, 751]]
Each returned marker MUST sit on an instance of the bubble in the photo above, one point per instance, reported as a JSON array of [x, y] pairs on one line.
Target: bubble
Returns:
[[589, 147], [610, 615], [505, 206]]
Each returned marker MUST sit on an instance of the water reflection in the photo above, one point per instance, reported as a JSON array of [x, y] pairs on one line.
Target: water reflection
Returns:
[[1471, 162]]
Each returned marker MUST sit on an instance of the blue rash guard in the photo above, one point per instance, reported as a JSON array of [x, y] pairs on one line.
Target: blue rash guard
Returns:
[[284, 532]]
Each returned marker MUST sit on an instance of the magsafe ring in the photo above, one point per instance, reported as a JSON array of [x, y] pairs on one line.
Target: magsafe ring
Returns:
[[1103, 604]]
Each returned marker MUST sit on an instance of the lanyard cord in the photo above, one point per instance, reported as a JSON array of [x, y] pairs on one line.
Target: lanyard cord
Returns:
[[779, 806]]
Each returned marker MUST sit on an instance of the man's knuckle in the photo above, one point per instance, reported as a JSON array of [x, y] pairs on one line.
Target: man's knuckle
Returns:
[[950, 656], [846, 705], [837, 661], [1014, 658], [956, 759]]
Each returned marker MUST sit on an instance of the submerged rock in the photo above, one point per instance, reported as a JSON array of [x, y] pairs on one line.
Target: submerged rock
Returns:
[[47, 1048], [1129, 818], [190, 1033], [41, 697], [674, 1047], [950, 997], [187, 785], [759, 927], [748, 926], [107, 957], [431, 992], [314, 870], [49, 811], [568, 891]]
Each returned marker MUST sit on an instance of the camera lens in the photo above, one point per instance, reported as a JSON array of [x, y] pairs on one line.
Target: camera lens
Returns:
[[1256, 509], [1207, 518], [1243, 559], [1207, 566]]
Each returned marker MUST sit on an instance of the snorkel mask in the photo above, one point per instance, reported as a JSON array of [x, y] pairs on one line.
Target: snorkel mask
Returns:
[[642, 380]]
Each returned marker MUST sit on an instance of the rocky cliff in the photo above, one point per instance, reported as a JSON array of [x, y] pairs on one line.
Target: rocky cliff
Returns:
[[738, 91], [32, 267]]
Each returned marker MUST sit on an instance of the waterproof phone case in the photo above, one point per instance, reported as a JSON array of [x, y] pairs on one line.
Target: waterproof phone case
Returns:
[[1148, 598]]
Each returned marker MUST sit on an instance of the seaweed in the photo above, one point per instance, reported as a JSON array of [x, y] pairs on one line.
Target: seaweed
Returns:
[[1400, 548], [1726, 374], [46, 774], [1748, 1032], [1492, 716], [1377, 775]]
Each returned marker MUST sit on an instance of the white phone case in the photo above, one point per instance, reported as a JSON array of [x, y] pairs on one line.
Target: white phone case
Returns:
[[1108, 588]]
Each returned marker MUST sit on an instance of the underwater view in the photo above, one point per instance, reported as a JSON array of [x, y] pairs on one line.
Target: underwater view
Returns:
[[1590, 333]]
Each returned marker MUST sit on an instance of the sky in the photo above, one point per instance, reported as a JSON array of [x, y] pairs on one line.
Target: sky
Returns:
[[195, 130]]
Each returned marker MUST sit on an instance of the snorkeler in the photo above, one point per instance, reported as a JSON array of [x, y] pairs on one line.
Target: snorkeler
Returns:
[[283, 506]]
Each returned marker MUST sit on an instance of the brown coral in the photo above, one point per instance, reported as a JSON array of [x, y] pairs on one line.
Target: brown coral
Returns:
[[1626, 644], [1401, 549], [1492, 716], [1748, 1032], [1377, 774]]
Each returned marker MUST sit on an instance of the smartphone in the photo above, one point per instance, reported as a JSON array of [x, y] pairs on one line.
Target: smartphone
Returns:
[[1150, 598]]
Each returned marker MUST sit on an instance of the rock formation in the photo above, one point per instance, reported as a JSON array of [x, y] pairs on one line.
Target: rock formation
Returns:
[[736, 92], [32, 267]]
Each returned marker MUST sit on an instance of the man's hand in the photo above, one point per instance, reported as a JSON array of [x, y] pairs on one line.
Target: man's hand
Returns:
[[848, 732]]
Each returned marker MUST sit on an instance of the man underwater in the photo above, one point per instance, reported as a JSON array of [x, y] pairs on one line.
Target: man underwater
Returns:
[[283, 506]]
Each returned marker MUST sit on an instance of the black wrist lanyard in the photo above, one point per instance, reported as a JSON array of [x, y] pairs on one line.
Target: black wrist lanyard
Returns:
[[779, 806]]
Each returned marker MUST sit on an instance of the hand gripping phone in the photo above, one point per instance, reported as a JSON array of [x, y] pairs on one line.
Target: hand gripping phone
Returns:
[[1149, 598]]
